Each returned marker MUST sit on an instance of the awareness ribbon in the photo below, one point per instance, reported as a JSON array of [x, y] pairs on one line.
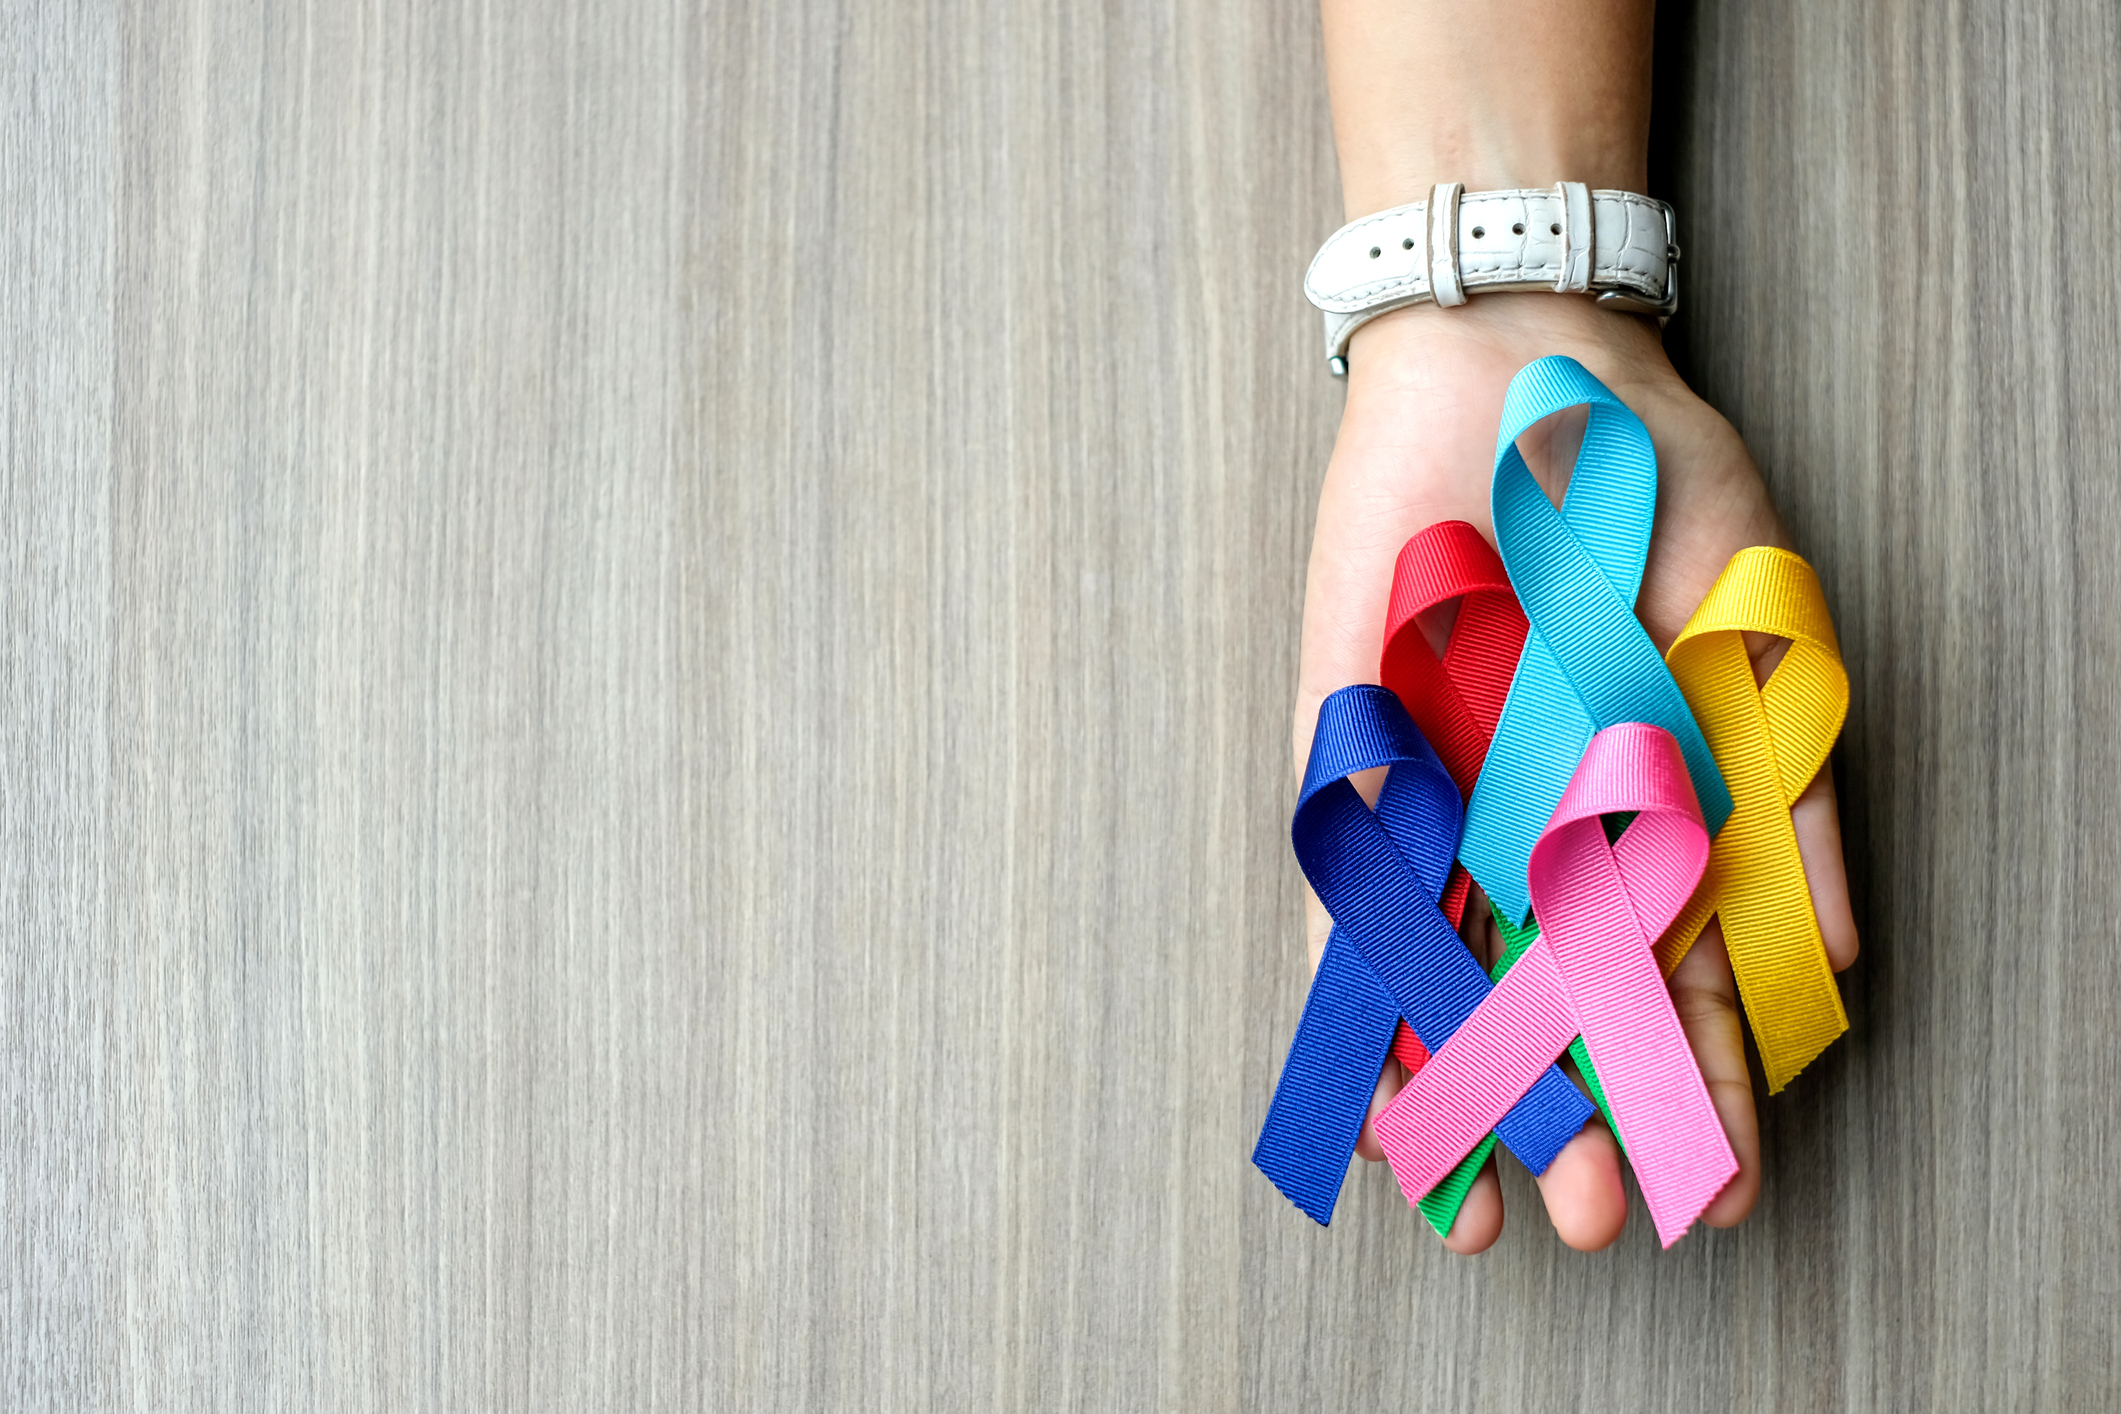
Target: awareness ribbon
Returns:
[[1770, 741], [1587, 663], [1457, 699], [1591, 972], [1392, 953]]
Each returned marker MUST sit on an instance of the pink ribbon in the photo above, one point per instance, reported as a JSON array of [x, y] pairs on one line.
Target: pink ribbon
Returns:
[[1591, 973]]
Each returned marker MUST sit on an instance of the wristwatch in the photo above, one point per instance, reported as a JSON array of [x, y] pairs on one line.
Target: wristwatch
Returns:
[[1567, 238]]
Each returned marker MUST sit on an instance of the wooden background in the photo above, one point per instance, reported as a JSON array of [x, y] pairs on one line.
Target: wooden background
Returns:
[[643, 714]]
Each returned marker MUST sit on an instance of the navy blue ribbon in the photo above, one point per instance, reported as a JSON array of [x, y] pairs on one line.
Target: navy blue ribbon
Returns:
[[1392, 952]]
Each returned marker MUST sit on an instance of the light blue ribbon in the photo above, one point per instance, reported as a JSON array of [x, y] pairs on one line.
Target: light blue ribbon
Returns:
[[1587, 663]]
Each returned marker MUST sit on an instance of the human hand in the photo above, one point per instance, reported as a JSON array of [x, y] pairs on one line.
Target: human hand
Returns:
[[1416, 446]]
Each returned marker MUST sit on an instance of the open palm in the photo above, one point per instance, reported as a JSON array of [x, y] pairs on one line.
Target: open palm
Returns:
[[1416, 446]]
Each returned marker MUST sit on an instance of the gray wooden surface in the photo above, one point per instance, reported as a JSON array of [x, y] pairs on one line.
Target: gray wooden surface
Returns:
[[643, 686]]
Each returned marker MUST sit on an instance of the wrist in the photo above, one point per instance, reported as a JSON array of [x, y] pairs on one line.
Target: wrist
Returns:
[[1425, 391], [1433, 348]]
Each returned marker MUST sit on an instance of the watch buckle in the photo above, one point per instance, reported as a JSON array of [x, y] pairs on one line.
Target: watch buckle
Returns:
[[1665, 308]]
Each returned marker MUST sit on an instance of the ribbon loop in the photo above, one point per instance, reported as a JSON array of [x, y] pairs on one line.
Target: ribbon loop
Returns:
[[1770, 742], [1380, 874], [1457, 699], [1587, 663], [1590, 972]]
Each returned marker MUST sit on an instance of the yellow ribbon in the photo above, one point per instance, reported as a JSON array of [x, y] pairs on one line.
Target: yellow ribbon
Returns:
[[1769, 742]]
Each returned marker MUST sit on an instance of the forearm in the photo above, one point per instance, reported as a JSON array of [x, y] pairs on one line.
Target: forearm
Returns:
[[1511, 93]]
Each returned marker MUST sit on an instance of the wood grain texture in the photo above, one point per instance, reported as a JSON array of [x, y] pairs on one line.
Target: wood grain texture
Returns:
[[644, 690]]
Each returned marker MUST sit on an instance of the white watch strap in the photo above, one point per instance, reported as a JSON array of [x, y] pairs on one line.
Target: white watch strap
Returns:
[[1442, 264], [1567, 238]]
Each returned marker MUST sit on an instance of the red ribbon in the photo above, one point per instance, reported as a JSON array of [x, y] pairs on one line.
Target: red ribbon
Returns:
[[1456, 701]]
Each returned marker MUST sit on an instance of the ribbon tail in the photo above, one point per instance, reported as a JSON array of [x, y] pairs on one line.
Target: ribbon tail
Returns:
[[1675, 1142], [1326, 1083], [1440, 1205], [1479, 1080], [1777, 956]]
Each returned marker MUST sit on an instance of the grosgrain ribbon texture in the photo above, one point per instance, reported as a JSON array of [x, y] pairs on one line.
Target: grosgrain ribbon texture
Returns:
[[1324, 1092], [1770, 741], [1457, 699], [1587, 663], [1591, 972], [1380, 874]]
